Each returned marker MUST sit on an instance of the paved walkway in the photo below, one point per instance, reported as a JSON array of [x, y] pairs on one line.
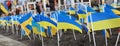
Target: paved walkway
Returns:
[[5, 41]]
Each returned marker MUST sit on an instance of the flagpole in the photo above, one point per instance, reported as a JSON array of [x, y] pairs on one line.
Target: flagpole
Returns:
[[16, 29], [88, 26], [6, 26], [106, 43], [21, 33], [110, 31], [42, 37], [87, 23], [58, 37], [117, 38], [74, 34], [12, 26], [92, 29], [59, 4]]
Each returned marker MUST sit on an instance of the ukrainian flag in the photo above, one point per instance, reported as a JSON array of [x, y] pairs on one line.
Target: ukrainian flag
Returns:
[[54, 17], [15, 20], [25, 21], [4, 9], [2, 22], [102, 21], [7, 19], [113, 9], [37, 29], [81, 14], [64, 22], [71, 10], [45, 22]]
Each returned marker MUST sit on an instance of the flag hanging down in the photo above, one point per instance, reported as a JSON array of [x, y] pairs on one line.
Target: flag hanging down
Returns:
[[65, 22], [105, 33], [25, 21], [102, 21]]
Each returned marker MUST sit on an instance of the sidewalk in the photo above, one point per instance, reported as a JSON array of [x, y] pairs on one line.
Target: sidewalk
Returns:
[[5, 41]]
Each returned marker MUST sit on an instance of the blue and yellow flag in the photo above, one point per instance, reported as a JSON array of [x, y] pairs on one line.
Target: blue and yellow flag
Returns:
[[102, 21], [25, 21], [37, 29], [115, 11], [81, 14], [45, 22], [71, 10], [4, 9], [65, 22]]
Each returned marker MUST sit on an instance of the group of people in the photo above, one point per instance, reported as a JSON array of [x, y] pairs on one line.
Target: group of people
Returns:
[[39, 7], [52, 4]]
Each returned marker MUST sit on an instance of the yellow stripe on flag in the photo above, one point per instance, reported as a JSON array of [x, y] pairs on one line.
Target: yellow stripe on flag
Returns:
[[24, 24], [3, 9]]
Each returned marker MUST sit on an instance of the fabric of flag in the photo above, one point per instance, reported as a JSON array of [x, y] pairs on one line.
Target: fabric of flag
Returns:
[[108, 6], [49, 31], [105, 34], [24, 21], [71, 10], [89, 9], [45, 21], [85, 28], [81, 14], [43, 32], [2, 22], [113, 9], [37, 29], [102, 21], [65, 22], [4, 9], [7, 19], [54, 16], [15, 20]]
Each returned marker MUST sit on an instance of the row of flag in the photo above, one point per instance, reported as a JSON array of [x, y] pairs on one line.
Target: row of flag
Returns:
[[61, 20]]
